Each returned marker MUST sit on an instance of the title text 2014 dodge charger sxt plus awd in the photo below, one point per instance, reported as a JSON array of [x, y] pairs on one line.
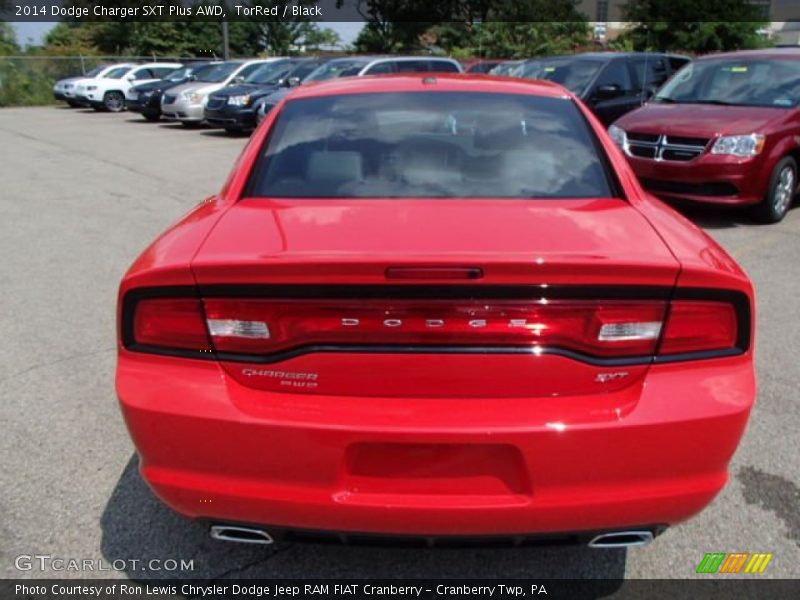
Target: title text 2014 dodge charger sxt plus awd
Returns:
[[437, 307]]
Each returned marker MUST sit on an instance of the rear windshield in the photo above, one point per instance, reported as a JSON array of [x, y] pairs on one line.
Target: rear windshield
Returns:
[[430, 144], [218, 73], [574, 74], [765, 82]]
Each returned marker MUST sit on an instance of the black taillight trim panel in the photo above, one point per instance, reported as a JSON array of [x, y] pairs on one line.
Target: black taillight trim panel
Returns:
[[739, 300]]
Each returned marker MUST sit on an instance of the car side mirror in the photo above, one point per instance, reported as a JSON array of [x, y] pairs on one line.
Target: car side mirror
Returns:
[[292, 82], [191, 78], [608, 92], [238, 79]]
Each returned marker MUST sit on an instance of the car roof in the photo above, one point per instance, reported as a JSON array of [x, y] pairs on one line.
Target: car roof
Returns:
[[754, 54], [407, 58], [364, 59], [604, 56], [429, 82]]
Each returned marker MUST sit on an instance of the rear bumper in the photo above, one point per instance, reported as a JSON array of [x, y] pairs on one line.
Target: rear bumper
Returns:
[[212, 448], [709, 179]]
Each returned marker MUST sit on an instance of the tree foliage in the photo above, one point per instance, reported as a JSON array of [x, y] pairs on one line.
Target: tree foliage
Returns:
[[250, 37], [693, 25], [501, 28], [8, 39]]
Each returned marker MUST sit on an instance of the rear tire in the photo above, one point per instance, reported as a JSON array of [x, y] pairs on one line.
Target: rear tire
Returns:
[[780, 193], [233, 130], [152, 116], [114, 101], [73, 104]]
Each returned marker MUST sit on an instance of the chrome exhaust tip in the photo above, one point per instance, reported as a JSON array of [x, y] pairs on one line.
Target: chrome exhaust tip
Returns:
[[242, 535], [622, 539]]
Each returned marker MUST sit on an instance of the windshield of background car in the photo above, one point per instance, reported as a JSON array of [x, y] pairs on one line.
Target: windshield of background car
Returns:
[[338, 68], [179, 74], [197, 72], [434, 144], [94, 72], [512, 68], [574, 75], [117, 73], [304, 69], [271, 72], [218, 73], [759, 82]]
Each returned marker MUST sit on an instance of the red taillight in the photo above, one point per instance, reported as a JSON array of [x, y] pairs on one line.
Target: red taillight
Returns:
[[613, 328], [610, 329], [171, 323], [699, 326]]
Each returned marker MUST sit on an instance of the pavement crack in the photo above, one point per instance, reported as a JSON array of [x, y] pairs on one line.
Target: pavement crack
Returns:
[[73, 150], [54, 362]]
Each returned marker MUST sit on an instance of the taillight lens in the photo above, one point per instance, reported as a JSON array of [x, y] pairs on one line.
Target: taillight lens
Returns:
[[598, 328], [699, 326], [594, 328], [171, 323]]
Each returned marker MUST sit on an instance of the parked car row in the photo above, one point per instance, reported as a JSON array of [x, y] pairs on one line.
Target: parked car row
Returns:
[[723, 131]]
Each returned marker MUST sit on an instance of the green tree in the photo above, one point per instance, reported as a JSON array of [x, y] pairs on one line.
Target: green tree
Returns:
[[501, 39], [322, 38], [694, 26], [397, 25], [8, 39], [507, 29]]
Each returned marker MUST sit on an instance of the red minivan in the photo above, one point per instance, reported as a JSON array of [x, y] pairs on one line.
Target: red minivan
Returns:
[[725, 130]]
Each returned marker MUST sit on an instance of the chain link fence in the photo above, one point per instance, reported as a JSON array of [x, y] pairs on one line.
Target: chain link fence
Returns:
[[29, 80]]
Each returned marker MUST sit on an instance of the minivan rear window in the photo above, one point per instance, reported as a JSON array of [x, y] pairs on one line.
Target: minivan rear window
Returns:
[[430, 144]]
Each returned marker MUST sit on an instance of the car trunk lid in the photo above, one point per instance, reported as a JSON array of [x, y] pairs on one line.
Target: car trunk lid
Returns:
[[431, 297]]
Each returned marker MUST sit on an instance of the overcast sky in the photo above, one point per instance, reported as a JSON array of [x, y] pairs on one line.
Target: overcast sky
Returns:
[[33, 33]]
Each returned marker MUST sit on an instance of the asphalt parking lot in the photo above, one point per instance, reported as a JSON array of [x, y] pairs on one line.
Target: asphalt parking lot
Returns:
[[82, 193]]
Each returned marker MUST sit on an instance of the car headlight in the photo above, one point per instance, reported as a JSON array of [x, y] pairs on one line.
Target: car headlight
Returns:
[[739, 145], [618, 135], [91, 87], [239, 100], [67, 86], [193, 97]]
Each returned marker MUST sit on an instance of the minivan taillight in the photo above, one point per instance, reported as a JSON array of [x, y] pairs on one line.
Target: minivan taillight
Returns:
[[699, 326]]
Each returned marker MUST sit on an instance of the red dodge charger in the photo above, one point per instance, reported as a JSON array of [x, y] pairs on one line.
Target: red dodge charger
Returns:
[[435, 308]]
